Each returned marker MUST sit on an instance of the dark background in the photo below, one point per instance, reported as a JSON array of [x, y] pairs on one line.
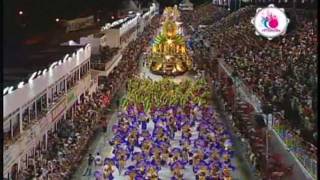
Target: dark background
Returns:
[[40, 15], [38, 18]]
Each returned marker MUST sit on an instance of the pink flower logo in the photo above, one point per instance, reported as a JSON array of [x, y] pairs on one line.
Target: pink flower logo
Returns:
[[270, 21], [273, 22]]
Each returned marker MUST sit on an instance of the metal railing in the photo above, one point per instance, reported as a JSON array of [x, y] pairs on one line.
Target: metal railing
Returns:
[[295, 145], [299, 151]]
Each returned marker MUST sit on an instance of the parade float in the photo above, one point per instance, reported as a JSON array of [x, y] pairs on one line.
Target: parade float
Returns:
[[169, 55]]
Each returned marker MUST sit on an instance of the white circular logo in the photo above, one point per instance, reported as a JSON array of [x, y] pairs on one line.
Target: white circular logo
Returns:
[[270, 22]]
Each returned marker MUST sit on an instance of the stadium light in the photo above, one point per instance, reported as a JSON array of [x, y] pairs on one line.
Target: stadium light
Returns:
[[32, 76], [57, 19], [20, 13], [5, 90], [20, 85]]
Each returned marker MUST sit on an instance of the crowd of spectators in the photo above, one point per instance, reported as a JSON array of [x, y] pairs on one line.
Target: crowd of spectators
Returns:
[[65, 145], [282, 73], [127, 35]]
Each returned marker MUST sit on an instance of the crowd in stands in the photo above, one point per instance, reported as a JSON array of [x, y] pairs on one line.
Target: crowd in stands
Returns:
[[65, 145], [127, 35], [282, 73]]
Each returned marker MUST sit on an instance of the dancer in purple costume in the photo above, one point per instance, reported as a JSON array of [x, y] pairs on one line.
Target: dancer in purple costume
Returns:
[[121, 155], [132, 172], [211, 144], [177, 170], [152, 171], [98, 175], [202, 171], [108, 169]]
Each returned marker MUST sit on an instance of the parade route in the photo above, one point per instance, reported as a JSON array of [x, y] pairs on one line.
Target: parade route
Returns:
[[101, 143]]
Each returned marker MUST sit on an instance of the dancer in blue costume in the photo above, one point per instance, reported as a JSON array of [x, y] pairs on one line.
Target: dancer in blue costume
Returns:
[[137, 157], [143, 121], [177, 169], [172, 126], [98, 175], [214, 171], [133, 174], [198, 156], [146, 146], [121, 155], [186, 131], [160, 135], [132, 139], [207, 153], [152, 171], [116, 141], [202, 171], [141, 167], [108, 169], [156, 155]]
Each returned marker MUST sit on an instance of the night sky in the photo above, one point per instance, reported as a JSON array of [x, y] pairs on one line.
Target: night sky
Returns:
[[39, 16]]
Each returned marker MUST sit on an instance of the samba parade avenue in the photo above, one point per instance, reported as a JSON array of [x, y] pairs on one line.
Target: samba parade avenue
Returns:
[[182, 92]]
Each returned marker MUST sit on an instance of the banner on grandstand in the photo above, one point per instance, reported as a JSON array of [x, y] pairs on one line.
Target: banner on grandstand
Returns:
[[270, 22]]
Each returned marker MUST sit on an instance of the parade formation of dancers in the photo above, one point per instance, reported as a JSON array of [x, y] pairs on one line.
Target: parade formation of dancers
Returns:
[[167, 130], [169, 142]]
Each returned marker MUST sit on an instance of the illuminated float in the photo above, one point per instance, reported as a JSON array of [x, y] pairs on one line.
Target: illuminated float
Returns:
[[169, 56]]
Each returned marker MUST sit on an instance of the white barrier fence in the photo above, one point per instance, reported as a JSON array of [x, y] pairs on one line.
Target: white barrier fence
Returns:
[[307, 163]]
